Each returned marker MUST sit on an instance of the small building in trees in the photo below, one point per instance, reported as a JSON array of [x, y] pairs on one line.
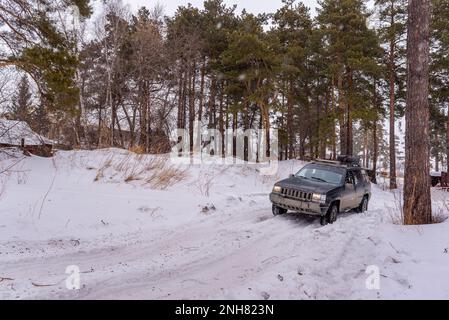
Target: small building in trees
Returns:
[[18, 134]]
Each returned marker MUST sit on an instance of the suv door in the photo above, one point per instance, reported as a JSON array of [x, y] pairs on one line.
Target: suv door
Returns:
[[348, 195], [360, 185]]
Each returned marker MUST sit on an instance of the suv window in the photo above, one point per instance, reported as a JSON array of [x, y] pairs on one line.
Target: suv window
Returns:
[[324, 174], [365, 176], [359, 179], [349, 177]]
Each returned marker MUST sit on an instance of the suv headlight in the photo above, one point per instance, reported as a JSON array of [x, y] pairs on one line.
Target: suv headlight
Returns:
[[321, 198], [277, 189]]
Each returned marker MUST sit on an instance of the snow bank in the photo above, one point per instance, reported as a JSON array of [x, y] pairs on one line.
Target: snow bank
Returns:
[[140, 226], [12, 132]]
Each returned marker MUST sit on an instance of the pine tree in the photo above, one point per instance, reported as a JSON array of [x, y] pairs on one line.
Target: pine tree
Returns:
[[392, 16], [251, 63], [32, 41], [417, 203], [21, 107], [439, 77], [352, 48], [293, 32]]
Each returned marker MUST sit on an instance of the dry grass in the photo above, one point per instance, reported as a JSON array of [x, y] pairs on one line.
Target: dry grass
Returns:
[[166, 177], [440, 208], [154, 171], [137, 149]]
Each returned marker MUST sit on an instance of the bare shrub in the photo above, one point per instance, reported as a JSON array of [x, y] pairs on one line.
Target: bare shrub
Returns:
[[440, 215], [22, 177], [441, 212], [206, 180], [3, 180], [397, 213]]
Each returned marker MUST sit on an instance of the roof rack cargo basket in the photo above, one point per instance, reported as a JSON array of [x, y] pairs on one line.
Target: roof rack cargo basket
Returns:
[[327, 161], [350, 160]]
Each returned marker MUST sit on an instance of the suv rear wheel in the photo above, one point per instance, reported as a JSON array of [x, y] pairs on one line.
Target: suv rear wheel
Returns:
[[278, 210], [363, 205]]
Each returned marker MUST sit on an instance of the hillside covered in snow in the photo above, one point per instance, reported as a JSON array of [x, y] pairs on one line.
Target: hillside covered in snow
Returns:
[[138, 226]]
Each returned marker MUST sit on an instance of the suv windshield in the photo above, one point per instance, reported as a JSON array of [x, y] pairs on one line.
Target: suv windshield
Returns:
[[320, 173]]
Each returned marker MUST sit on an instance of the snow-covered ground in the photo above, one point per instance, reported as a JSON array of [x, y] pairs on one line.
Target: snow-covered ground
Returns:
[[141, 227]]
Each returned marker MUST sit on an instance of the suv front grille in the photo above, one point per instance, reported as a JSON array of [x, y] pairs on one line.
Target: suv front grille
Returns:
[[297, 194]]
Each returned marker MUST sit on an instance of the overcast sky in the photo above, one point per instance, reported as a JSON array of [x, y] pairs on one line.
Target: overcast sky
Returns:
[[253, 6]]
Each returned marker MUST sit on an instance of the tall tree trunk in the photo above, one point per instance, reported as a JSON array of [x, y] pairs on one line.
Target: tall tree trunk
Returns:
[[365, 144], [192, 80], [201, 97], [437, 161], [290, 135], [447, 143], [334, 125], [99, 132], [245, 127], [391, 70], [341, 115], [221, 121], [234, 133], [375, 133], [349, 131], [375, 151], [417, 201], [211, 107]]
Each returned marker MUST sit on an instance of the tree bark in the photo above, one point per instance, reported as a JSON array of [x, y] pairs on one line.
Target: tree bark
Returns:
[[290, 135], [447, 144], [417, 202], [341, 115], [192, 80], [391, 70], [349, 131]]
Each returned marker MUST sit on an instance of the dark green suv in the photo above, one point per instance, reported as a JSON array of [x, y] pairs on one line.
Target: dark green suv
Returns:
[[324, 188]]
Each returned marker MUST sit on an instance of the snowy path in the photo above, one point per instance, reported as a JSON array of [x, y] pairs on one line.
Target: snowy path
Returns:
[[130, 242], [285, 257]]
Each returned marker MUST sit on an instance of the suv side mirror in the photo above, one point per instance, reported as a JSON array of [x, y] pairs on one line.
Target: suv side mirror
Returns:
[[291, 175]]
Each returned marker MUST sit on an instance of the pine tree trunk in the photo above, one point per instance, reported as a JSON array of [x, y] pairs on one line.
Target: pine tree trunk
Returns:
[[290, 121], [417, 201], [391, 70], [201, 97], [447, 143], [437, 162], [375, 151], [192, 80], [341, 116], [375, 134], [349, 131]]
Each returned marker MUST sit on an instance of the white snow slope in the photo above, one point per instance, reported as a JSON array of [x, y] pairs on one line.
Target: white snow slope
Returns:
[[198, 232]]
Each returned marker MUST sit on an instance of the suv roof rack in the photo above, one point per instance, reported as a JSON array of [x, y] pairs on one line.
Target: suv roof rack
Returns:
[[327, 161], [342, 160]]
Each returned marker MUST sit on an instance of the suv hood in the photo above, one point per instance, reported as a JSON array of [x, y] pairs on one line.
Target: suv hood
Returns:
[[306, 185]]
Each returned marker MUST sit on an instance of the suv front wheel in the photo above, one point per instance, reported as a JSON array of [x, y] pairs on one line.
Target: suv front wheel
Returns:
[[330, 216], [278, 210]]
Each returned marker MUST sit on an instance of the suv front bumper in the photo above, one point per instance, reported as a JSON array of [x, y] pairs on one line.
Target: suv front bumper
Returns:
[[307, 207]]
